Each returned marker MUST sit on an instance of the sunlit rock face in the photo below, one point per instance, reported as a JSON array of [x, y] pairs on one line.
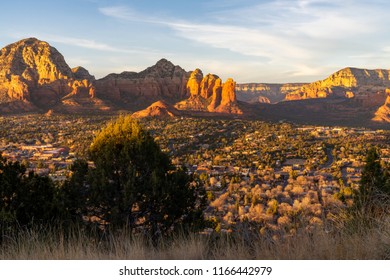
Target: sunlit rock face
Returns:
[[33, 71], [216, 97], [198, 88], [82, 88], [160, 81], [383, 112], [228, 102], [209, 94], [194, 81], [348, 82], [229, 92], [209, 84]]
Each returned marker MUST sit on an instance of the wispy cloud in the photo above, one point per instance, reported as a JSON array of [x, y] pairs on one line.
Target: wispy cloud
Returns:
[[244, 40], [71, 41], [88, 44], [120, 12], [128, 14], [83, 43], [276, 21], [306, 36]]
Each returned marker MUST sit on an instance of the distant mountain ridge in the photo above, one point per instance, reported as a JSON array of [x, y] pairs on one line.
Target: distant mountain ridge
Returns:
[[34, 77], [348, 82], [265, 93]]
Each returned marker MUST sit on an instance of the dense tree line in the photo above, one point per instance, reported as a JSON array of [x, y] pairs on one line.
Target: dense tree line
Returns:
[[25, 198]]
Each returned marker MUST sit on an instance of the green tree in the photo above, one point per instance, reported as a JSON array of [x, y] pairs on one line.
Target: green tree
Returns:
[[72, 194], [25, 199], [374, 187], [36, 200], [134, 183], [11, 174]]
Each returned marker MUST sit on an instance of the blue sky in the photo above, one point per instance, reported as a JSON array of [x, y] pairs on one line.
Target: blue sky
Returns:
[[250, 41]]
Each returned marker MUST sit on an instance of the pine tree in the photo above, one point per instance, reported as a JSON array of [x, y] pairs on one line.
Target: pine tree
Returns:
[[374, 189], [72, 195]]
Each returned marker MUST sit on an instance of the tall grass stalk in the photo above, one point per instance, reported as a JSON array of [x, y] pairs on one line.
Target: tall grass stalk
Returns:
[[337, 242]]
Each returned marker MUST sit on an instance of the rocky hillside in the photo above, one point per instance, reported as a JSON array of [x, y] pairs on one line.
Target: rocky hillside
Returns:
[[34, 74], [348, 83], [159, 109], [265, 93], [383, 113], [209, 94], [131, 90]]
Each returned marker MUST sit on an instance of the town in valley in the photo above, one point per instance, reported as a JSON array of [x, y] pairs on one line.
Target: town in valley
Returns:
[[275, 174]]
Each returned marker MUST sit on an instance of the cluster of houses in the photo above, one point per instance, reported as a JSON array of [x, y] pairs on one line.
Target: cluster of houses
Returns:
[[47, 159]]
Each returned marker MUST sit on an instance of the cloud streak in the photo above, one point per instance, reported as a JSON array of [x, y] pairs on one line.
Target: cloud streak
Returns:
[[119, 12], [244, 40], [83, 43], [305, 36], [91, 44]]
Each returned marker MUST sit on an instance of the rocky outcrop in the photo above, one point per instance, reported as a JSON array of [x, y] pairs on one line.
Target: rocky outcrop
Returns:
[[193, 83], [158, 109], [216, 98], [32, 70], [81, 73], [383, 112], [35, 73], [82, 89], [263, 99], [209, 94], [228, 102], [265, 93], [209, 85], [137, 90], [193, 103], [348, 83], [229, 92]]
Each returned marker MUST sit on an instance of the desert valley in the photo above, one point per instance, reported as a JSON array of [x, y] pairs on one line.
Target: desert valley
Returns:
[[272, 164]]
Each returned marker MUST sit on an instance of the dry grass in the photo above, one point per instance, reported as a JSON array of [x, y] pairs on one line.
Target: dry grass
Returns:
[[365, 243]]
